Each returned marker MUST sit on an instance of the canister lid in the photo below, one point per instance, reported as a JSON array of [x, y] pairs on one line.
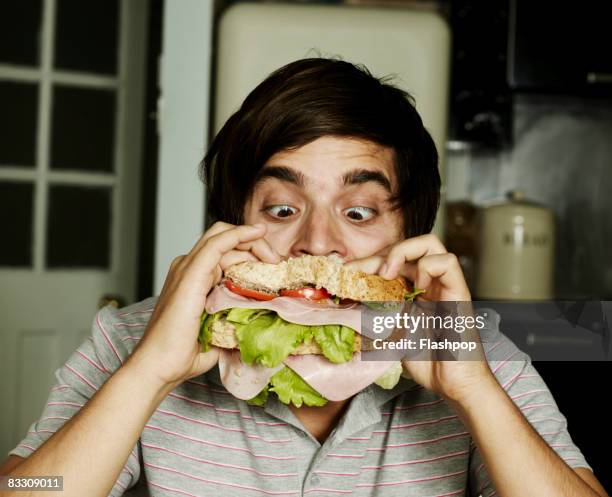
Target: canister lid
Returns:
[[516, 198]]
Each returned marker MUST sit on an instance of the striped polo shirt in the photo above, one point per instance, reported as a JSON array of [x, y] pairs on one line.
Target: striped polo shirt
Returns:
[[201, 441]]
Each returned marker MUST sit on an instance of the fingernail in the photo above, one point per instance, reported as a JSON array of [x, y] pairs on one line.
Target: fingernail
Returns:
[[258, 226]]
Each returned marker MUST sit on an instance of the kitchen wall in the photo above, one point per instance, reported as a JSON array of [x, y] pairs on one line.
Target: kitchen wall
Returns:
[[561, 156]]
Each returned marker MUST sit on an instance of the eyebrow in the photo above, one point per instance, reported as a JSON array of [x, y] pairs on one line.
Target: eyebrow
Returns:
[[360, 176], [353, 177], [282, 173]]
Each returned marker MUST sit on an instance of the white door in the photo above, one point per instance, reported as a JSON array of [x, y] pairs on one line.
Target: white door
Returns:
[[71, 100]]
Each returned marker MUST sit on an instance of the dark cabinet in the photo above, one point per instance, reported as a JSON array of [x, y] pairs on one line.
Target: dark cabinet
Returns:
[[560, 47]]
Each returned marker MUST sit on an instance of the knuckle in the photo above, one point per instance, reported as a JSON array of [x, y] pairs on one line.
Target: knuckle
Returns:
[[433, 239], [176, 261], [422, 262], [211, 246], [218, 224], [452, 258], [396, 249]]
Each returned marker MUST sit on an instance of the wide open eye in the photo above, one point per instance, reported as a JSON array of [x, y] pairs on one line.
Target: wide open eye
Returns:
[[360, 213], [281, 210]]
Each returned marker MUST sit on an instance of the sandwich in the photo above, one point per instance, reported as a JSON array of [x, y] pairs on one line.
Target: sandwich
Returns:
[[294, 329]]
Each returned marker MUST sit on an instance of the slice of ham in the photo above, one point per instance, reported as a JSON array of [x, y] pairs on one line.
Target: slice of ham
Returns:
[[337, 381], [240, 379], [300, 311]]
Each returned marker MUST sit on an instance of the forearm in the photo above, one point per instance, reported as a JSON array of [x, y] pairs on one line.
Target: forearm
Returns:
[[92, 448], [519, 462]]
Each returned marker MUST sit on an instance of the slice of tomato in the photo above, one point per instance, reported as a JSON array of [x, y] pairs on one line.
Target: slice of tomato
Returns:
[[245, 292], [307, 292]]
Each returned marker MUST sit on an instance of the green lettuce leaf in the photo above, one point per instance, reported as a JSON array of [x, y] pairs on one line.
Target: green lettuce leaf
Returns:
[[259, 399], [336, 341], [290, 387], [391, 377], [268, 339], [245, 316], [410, 296]]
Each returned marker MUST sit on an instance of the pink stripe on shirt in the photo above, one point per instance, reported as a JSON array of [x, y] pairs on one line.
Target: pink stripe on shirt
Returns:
[[207, 387], [219, 445], [93, 363], [419, 423], [415, 406], [106, 337], [81, 377], [503, 363], [222, 483], [330, 490], [142, 311], [404, 482], [423, 442], [530, 392], [224, 428], [123, 324], [226, 411], [214, 463], [170, 489], [417, 461]]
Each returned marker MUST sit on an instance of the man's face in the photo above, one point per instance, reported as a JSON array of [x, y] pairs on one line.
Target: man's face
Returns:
[[329, 196]]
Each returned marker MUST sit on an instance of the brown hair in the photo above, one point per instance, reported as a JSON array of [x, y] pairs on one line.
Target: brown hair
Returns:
[[316, 97]]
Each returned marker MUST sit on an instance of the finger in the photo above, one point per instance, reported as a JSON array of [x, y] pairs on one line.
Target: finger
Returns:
[[235, 257], [445, 268], [370, 265], [262, 249], [409, 250], [206, 259], [215, 229], [409, 271], [205, 361], [374, 263]]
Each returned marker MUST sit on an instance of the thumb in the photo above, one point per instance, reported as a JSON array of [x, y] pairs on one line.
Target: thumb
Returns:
[[205, 361]]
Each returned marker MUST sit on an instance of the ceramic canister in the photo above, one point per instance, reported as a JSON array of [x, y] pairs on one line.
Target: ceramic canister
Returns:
[[516, 250]]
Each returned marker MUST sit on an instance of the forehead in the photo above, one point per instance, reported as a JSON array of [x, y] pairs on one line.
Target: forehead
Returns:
[[329, 159]]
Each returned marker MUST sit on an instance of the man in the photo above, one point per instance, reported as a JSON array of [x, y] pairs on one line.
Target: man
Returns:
[[321, 158]]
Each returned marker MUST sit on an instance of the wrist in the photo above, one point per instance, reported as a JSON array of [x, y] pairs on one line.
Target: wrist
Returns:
[[475, 393], [146, 376]]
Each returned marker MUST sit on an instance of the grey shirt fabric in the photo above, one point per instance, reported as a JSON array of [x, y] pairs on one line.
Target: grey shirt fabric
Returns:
[[202, 441]]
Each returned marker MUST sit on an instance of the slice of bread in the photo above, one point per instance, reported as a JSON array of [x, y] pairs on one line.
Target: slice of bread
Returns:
[[224, 336], [320, 271]]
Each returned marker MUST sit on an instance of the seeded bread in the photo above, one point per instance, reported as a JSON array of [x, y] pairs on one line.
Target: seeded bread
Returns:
[[321, 271]]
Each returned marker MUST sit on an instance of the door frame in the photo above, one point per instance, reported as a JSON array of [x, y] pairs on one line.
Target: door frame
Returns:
[[183, 111]]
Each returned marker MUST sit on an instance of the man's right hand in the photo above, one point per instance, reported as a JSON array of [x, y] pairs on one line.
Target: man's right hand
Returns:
[[169, 351]]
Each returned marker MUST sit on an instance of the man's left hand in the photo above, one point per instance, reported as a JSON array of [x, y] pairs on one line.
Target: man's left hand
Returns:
[[425, 262]]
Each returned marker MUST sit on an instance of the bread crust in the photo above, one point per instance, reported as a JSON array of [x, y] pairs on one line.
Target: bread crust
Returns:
[[321, 271]]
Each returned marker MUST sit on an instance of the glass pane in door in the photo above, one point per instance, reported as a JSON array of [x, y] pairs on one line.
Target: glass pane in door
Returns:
[[78, 226], [86, 35], [83, 129], [20, 32], [18, 119], [16, 210]]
